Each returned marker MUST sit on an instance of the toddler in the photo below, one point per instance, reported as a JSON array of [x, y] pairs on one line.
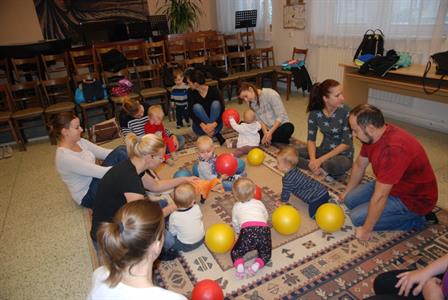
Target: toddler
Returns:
[[250, 221], [248, 136], [155, 126], [207, 157], [179, 99], [294, 181], [185, 224]]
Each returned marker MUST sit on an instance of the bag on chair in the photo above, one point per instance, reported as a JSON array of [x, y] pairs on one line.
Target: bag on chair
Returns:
[[372, 43], [441, 62], [105, 131]]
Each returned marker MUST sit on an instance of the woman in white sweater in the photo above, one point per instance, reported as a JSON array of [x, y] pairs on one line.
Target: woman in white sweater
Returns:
[[75, 158], [129, 245]]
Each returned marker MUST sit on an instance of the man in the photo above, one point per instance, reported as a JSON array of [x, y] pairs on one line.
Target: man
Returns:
[[405, 189]]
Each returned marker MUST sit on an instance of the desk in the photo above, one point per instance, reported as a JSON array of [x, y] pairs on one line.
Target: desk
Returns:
[[404, 81]]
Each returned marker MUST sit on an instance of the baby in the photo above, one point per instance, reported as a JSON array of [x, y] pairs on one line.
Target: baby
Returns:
[[207, 158], [297, 183], [248, 136]]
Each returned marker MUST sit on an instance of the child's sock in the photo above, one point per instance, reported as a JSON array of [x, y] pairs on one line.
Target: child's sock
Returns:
[[252, 270], [239, 267]]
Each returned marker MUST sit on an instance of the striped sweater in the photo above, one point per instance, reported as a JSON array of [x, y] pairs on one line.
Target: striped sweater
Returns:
[[300, 185]]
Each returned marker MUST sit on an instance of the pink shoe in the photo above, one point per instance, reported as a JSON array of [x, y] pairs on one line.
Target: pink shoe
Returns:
[[240, 275]]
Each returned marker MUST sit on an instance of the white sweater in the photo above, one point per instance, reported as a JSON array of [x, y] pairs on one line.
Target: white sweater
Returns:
[[187, 225], [247, 133], [250, 211], [78, 168], [102, 291]]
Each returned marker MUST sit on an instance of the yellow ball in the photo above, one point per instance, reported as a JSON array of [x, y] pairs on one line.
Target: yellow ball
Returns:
[[255, 157], [330, 217], [286, 219], [219, 238]]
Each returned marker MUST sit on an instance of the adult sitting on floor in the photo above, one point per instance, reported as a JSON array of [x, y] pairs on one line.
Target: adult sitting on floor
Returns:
[[75, 158], [405, 189], [128, 180], [129, 244], [268, 106], [327, 113], [205, 106]]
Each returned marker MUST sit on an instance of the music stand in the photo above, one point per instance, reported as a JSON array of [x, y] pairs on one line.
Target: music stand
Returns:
[[246, 19]]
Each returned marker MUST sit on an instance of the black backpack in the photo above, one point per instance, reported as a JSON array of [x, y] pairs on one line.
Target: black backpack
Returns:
[[372, 43], [114, 61], [441, 61]]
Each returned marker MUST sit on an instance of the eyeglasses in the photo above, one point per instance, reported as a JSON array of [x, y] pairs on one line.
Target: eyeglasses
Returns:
[[158, 157]]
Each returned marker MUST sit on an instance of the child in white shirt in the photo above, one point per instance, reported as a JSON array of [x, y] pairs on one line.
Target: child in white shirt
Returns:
[[248, 136]]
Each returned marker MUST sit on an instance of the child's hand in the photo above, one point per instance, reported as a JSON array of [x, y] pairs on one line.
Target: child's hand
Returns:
[[278, 203]]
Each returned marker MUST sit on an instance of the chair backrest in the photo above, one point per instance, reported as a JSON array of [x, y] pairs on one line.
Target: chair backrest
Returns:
[[215, 45], [268, 58], [201, 60], [196, 47], [149, 76], [57, 90], [134, 53], [113, 77], [219, 61], [176, 48], [233, 42], [26, 95], [82, 60], [155, 52], [254, 59], [237, 62], [248, 40], [56, 66], [5, 98], [99, 52], [298, 53], [4, 71], [28, 68]]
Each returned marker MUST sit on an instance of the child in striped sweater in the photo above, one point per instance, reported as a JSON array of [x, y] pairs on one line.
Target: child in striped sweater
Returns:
[[297, 183], [179, 99]]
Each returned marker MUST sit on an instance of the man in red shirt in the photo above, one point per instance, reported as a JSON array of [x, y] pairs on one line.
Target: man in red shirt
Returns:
[[405, 189]]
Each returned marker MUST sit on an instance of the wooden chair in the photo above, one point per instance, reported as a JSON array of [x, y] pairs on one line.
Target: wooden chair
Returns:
[[215, 45], [99, 52], [285, 75], [177, 49], [233, 43], [83, 60], [150, 84], [155, 52], [248, 40], [136, 57], [26, 69], [27, 106], [196, 47], [237, 66], [6, 124], [95, 108], [56, 66], [4, 71], [59, 98]]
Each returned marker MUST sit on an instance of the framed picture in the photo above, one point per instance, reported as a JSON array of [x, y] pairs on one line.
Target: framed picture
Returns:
[[294, 16]]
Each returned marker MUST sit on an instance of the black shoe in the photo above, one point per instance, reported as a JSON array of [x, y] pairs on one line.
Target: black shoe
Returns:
[[202, 199], [220, 138], [431, 219], [167, 255]]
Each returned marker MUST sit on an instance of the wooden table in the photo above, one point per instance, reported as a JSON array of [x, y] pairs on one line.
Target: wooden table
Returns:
[[404, 81]]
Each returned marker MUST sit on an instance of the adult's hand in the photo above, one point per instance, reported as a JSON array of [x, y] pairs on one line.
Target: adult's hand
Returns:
[[314, 165], [267, 138], [342, 196], [409, 279], [190, 179], [363, 234]]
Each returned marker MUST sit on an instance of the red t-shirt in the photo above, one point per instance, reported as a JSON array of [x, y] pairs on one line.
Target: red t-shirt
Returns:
[[397, 158], [160, 131]]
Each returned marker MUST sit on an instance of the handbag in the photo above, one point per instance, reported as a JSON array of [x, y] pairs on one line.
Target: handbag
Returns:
[[105, 131], [372, 43], [440, 60]]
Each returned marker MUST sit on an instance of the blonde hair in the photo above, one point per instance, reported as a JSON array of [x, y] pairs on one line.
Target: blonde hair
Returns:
[[243, 189], [155, 111], [249, 116], [289, 156], [184, 195], [140, 146], [204, 141], [125, 241]]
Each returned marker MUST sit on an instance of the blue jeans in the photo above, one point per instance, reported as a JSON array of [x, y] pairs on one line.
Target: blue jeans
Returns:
[[395, 216], [117, 155], [215, 114], [171, 242]]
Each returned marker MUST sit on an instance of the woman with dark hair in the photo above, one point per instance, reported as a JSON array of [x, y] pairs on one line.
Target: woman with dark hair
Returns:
[[327, 113], [268, 106], [75, 158], [129, 244], [206, 106]]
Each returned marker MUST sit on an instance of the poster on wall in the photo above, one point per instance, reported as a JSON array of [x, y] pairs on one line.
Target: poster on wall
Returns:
[[60, 19], [294, 16]]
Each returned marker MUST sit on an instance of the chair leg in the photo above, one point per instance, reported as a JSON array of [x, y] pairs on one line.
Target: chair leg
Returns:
[[19, 141], [20, 135], [167, 106], [288, 87], [47, 125]]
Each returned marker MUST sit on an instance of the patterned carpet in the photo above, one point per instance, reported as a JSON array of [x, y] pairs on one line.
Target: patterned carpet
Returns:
[[310, 264]]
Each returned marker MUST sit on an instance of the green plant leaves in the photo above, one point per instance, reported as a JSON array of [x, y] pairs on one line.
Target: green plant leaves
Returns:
[[182, 15]]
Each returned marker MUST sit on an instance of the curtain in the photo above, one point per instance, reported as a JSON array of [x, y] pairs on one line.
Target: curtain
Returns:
[[226, 16], [415, 26]]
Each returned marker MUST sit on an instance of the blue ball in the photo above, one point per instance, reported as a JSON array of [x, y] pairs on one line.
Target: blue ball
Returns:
[[195, 170], [227, 185], [241, 166], [182, 173]]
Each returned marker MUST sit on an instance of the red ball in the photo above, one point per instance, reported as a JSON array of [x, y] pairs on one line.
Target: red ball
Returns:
[[207, 289], [257, 192], [226, 164], [230, 112]]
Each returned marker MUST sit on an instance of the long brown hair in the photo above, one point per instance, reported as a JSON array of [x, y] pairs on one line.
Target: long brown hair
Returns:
[[124, 242], [60, 121], [246, 86], [318, 91], [131, 106]]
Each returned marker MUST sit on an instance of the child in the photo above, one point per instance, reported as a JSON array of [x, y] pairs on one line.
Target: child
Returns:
[[179, 99], [249, 220], [185, 224], [155, 126], [248, 137], [207, 158], [297, 183]]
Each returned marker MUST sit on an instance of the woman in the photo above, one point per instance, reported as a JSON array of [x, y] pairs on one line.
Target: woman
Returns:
[[129, 244], [128, 181], [133, 118], [206, 106], [327, 113], [267, 104], [75, 158]]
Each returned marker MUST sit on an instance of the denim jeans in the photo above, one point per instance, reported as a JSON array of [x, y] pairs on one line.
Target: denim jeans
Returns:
[[395, 216], [117, 155], [215, 114], [335, 166], [171, 242], [182, 114]]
